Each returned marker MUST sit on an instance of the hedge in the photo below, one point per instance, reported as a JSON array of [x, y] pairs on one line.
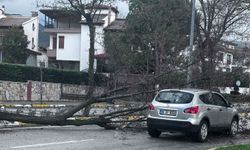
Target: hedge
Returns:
[[237, 98], [22, 73]]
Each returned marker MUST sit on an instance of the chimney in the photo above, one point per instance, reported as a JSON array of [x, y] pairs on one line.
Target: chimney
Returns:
[[109, 15], [2, 13], [34, 13], [3, 9]]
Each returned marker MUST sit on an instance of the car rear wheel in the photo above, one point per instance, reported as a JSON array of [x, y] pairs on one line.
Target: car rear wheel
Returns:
[[202, 133], [154, 133], [234, 127]]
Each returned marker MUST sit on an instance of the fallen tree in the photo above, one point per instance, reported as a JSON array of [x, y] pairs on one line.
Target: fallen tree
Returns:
[[106, 120], [102, 120], [60, 120]]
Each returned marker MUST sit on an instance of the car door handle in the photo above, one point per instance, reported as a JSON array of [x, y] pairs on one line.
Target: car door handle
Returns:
[[220, 109], [208, 108]]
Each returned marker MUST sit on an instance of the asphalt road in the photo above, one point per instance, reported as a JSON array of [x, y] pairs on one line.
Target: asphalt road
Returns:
[[96, 138]]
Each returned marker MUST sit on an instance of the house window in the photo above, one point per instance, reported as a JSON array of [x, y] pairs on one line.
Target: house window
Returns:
[[220, 57], [229, 59], [33, 43], [54, 42], [33, 27], [61, 42]]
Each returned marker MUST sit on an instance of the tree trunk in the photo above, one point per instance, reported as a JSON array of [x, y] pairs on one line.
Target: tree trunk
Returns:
[[211, 65], [91, 66]]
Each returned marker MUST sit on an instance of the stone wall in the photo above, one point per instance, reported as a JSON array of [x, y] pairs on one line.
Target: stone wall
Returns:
[[13, 90], [20, 91], [80, 89], [50, 91]]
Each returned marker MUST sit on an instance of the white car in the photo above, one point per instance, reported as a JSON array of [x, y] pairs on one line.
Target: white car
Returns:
[[191, 111]]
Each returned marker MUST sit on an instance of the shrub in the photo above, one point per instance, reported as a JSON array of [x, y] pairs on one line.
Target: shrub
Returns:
[[21, 73], [237, 98]]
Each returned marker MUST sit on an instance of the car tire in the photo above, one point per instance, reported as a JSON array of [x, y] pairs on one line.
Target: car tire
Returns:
[[202, 133], [154, 133], [233, 130]]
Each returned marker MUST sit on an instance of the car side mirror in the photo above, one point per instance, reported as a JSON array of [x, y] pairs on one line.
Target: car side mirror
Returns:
[[230, 104]]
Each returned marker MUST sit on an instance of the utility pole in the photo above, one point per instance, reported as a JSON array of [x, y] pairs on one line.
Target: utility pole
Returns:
[[42, 65], [191, 44]]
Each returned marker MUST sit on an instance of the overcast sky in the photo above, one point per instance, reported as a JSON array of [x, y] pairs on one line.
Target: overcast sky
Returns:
[[24, 7]]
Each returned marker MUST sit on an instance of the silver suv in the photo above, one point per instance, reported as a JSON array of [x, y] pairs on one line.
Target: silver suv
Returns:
[[191, 111]]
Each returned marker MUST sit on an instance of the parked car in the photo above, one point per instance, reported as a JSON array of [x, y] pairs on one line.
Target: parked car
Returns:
[[191, 111]]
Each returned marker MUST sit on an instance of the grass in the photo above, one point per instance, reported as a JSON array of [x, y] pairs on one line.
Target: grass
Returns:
[[236, 147]]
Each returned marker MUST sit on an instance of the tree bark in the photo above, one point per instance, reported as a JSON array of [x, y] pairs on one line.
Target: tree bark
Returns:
[[91, 54], [91, 66]]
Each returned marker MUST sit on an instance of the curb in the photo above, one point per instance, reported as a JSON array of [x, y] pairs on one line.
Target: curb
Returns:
[[31, 106], [53, 106], [98, 105]]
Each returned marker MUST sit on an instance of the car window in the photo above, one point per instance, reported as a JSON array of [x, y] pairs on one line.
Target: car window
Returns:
[[174, 97], [219, 100], [207, 99]]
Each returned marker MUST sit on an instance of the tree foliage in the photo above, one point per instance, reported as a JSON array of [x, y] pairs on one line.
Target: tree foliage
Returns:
[[156, 32], [14, 46]]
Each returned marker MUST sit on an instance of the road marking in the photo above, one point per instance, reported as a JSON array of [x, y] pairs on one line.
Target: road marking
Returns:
[[49, 144]]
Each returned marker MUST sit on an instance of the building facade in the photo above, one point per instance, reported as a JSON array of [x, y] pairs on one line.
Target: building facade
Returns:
[[69, 37]]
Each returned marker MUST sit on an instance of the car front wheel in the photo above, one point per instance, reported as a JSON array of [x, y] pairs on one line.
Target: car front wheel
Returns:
[[154, 133], [234, 127]]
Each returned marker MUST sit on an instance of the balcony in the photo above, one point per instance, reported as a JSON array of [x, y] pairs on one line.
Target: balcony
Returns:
[[57, 21], [51, 53]]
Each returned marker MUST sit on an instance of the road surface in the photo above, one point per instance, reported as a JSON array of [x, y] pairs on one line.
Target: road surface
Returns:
[[96, 138]]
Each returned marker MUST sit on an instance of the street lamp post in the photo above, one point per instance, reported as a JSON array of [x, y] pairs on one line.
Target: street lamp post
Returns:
[[42, 65], [191, 44]]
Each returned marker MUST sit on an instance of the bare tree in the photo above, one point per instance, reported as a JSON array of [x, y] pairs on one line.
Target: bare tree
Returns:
[[218, 19]]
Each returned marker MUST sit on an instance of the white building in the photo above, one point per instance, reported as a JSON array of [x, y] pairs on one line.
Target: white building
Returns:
[[69, 36], [231, 56], [225, 56], [30, 26]]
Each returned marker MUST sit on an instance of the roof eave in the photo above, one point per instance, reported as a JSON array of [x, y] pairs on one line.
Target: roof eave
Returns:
[[95, 23], [33, 52]]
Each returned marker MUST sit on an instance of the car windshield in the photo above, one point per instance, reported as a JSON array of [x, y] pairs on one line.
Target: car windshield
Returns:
[[177, 97]]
